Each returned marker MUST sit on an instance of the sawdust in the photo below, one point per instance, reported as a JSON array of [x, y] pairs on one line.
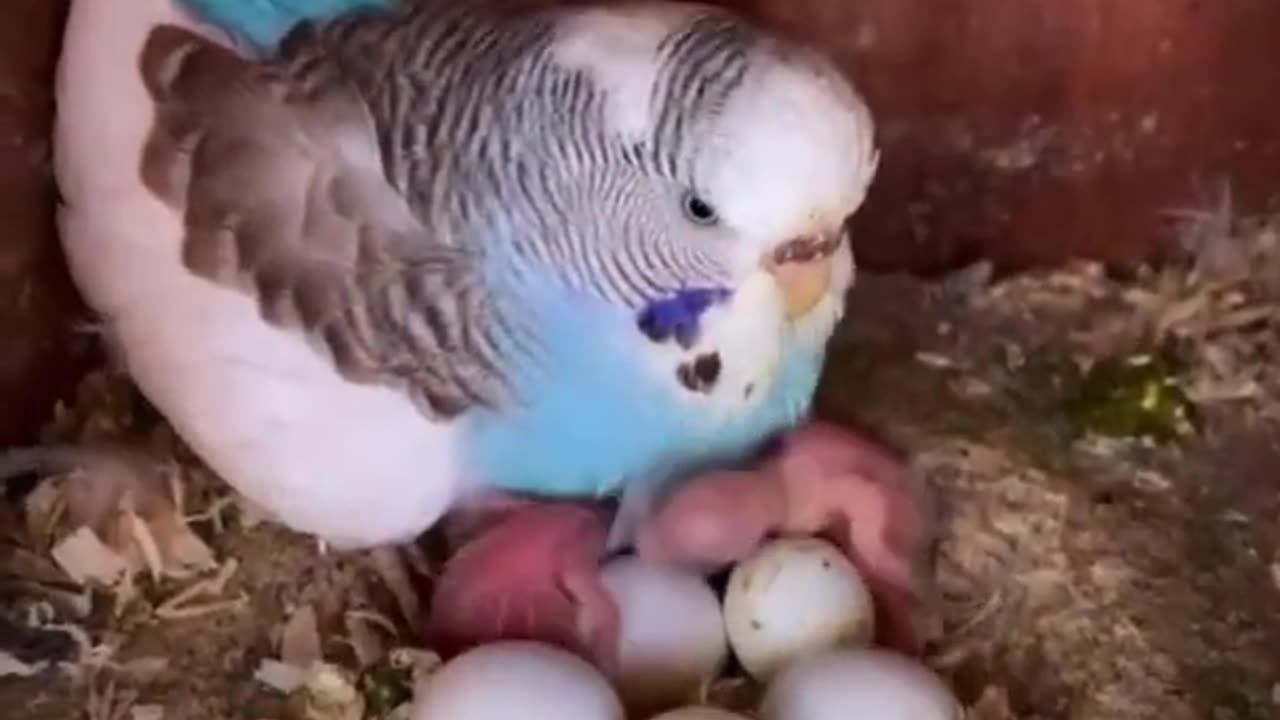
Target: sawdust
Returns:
[[1087, 576], [1081, 576], [172, 604]]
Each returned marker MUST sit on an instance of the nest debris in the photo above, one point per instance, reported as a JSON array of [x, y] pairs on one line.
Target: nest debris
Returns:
[[1077, 551]]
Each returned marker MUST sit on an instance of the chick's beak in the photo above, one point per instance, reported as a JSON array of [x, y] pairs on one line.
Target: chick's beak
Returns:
[[802, 268]]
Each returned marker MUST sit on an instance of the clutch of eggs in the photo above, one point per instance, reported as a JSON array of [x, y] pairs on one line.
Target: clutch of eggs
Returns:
[[796, 614], [671, 641], [539, 682]]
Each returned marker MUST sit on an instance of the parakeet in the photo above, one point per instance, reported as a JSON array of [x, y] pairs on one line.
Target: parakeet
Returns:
[[421, 251]]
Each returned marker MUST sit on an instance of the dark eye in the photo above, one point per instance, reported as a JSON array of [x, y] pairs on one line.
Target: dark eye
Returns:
[[699, 211]]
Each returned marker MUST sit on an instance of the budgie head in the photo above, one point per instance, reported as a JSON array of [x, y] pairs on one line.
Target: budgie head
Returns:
[[714, 200]]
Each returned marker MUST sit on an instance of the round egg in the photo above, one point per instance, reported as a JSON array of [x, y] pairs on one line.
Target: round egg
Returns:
[[858, 683], [516, 678], [700, 712], [672, 635], [793, 597]]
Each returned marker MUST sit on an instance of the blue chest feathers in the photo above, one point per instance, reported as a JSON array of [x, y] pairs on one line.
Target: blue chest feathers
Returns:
[[597, 411]]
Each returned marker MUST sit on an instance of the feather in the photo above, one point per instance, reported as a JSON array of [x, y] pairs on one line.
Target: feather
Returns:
[[357, 464], [262, 23], [405, 255], [601, 408], [281, 184]]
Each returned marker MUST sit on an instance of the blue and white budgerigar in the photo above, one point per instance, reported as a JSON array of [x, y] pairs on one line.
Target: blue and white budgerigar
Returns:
[[405, 254]]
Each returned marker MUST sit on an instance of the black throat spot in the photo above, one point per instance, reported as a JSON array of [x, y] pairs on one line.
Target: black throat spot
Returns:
[[700, 374]]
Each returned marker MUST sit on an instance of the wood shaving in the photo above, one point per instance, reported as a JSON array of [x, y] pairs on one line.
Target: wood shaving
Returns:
[[993, 704], [142, 670], [365, 642], [966, 640], [182, 551], [177, 487], [86, 559], [376, 618], [935, 360], [279, 676], [326, 693], [180, 605], [213, 514], [146, 544], [44, 508], [300, 638], [195, 610], [146, 712], [123, 595]]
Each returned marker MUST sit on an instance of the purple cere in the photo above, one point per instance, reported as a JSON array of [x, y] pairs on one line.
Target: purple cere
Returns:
[[677, 315]]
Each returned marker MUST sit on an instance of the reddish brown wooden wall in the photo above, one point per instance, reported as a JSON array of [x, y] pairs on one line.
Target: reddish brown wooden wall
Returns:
[[1028, 131], [1125, 106], [35, 295]]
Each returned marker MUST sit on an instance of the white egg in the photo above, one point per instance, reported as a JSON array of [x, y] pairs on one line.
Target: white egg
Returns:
[[516, 678], [794, 597], [699, 713], [672, 633], [845, 683]]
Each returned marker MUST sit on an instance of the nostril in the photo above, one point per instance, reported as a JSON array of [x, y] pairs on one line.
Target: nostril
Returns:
[[807, 249], [800, 250]]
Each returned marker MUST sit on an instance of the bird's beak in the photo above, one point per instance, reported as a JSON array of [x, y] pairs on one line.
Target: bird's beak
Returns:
[[802, 268]]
